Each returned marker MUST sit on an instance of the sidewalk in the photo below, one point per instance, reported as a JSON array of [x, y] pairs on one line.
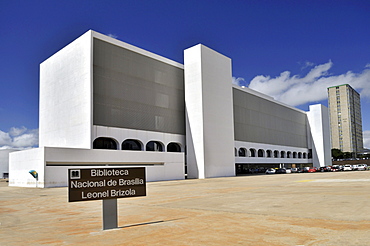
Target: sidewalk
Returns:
[[286, 209]]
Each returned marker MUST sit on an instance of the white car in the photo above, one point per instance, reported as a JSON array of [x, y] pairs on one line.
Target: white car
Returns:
[[347, 167], [294, 170], [270, 171], [362, 167]]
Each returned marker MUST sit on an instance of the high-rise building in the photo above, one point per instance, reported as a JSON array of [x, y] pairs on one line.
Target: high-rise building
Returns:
[[345, 118]]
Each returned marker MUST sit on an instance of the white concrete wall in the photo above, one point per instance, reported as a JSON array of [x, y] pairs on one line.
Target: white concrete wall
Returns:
[[66, 96], [209, 113], [194, 113], [257, 146], [21, 162], [121, 134], [318, 119], [52, 164]]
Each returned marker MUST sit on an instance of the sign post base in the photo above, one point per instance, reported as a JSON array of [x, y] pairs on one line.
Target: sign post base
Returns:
[[110, 215]]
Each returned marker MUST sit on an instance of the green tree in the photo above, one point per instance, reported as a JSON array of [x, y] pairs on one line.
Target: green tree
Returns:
[[337, 154], [347, 155]]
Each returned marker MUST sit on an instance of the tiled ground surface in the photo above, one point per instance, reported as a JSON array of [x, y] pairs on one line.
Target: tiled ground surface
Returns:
[[286, 209]]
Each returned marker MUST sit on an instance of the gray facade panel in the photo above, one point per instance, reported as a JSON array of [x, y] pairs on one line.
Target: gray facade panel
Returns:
[[134, 91], [262, 121]]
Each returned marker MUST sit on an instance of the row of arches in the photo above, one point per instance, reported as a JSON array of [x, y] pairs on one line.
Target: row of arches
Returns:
[[135, 144], [243, 152]]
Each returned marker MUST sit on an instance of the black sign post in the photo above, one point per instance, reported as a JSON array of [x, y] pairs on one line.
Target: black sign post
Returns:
[[106, 184]]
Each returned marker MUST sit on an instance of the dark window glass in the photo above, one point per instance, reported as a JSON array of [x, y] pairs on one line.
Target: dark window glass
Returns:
[[253, 152], [154, 146], [104, 143], [282, 154], [131, 144], [242, 152], [173, 147]]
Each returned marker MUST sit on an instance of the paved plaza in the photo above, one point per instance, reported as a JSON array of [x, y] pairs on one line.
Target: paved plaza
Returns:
[[281, 209]]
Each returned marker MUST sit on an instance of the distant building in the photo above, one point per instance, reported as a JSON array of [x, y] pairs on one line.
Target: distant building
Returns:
[[106, 103], [345, 118], [4, 162]]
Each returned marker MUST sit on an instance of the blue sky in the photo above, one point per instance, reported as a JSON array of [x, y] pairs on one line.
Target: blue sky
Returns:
[[291, 50]]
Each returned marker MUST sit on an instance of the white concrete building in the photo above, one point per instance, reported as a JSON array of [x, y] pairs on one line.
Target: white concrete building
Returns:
[[4, 162], [105, 103]]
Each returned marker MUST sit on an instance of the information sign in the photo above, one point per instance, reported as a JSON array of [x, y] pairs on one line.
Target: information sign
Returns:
[[105, 183]]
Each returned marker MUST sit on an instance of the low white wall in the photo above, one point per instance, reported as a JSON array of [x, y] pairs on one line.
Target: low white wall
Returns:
[[52, 164], [265, 147], [121, 134], [263, 160], [21, 162]]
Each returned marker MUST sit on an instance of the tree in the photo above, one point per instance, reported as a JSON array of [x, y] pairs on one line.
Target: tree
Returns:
[[337, 154], [347, 155]]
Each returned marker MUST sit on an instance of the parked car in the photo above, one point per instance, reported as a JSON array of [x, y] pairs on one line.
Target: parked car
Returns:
[[323, 169], [312, 170], [270, 171], [334, 169], [362, 167], [347, 167], [281, 170], [302, 170], [262, 169], [252, 170], [294, 170], [337, 168], [288, 170]]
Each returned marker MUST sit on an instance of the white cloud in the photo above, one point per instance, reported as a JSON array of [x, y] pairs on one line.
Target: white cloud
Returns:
[[19, 138], [5, 138], [306, 65], [366, 135], [239, 81], [6, 147], [17, 131], [295, 90]]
